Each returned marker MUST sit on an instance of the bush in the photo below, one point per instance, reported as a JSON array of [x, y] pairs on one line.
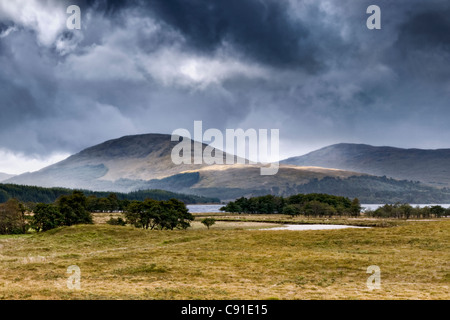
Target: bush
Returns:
[[116, 222], [208, 222]]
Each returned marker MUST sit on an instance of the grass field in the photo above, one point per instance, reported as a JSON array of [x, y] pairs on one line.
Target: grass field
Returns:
[[233, 260]]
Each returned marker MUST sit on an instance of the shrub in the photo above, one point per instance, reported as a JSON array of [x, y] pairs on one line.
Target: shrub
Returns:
[[208, 222], [116, 222]]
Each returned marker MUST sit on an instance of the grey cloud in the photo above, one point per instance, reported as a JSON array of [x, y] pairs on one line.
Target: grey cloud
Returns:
[[261, 29], [315, 72], [426, 30]]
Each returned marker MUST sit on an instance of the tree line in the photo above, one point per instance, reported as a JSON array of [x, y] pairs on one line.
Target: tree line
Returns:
[[314, 204], [325, 205], [406, 211], [33, 194], [18, 218], [76, 208]]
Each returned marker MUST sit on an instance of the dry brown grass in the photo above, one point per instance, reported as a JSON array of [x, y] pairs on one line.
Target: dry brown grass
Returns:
[[285, 219], [228, 263]]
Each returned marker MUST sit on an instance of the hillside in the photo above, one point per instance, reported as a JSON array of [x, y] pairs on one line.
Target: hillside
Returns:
[[427, 166], [293, 180], [131, 158], [5, 176]]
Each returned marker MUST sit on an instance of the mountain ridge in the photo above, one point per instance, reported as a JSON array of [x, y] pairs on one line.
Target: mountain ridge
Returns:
[[430, 166], [5, 176]]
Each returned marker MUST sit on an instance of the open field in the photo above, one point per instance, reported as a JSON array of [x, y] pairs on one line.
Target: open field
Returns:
[[285, 219], [233, 260]]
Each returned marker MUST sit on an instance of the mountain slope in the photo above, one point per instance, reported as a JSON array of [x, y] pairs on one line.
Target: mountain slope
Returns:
[[235, 181], [138, 157], [5, 176], [428, 166]]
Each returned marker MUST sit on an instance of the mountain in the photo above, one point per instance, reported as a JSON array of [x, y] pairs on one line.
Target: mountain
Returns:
[[143, 162], [428, 166], [131, 158], [5, 176]]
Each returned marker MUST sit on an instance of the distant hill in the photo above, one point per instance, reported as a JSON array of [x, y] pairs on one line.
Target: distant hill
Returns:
[[236, 182], [5, 176], [232, 181], [143, 162], [428, 166]]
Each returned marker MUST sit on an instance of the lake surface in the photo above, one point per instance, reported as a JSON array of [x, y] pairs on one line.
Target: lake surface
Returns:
[[300, 227], [203, 208]]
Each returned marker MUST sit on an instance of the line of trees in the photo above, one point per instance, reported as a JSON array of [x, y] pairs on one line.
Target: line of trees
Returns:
[[32, 194], [324, 205], [315, 204], [111, 203], [406, 211], [66, 211]]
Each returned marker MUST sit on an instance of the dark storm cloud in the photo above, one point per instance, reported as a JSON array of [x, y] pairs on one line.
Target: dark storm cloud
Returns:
[[261, 29], [308, 67], [4, 26], [425, 31], [423, 45]]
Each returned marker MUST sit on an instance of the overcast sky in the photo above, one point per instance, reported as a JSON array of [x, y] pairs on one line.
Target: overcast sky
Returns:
[[310, 68]]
